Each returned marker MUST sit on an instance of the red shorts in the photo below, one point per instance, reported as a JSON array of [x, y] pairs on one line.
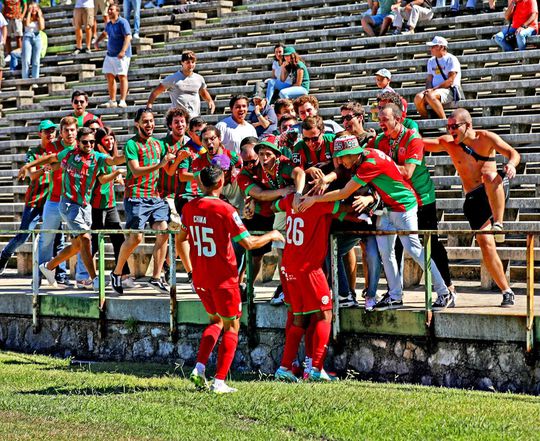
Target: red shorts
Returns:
[[308, 291], [225, 302]]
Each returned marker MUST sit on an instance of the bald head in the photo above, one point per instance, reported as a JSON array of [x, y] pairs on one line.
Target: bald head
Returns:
[[463, 115]]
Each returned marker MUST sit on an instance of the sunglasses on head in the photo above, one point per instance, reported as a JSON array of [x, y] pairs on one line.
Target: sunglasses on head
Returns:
[[87, 141], [455, 126]]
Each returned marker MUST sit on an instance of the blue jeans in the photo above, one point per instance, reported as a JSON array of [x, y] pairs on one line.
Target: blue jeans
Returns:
[[292, 92], [521, 38], [404, 221], [31, 49], [454, 4], [30, 218], [46, 248], [272, 85], [135, 6]]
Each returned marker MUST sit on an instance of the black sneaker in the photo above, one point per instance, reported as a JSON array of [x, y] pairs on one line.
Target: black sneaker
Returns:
[[3, 264], [348, 301], [445, 301], [116, 283], [189, 277], [65, 282], [508, 299], [159, 285], [388, 302]]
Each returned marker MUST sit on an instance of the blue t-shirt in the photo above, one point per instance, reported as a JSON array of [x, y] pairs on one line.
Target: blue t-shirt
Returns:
[[116, 33]]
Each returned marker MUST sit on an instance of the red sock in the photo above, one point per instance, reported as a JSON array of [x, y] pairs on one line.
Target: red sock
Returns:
[[292, 341], [208, 341], [289, 322], [226, 352], [308, 338], [320, 340]]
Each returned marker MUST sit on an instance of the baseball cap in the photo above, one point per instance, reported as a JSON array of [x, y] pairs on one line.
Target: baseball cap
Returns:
[[438, 41], [289, 50], [222, 161], [47, 124], [384, 73], [346, 145]]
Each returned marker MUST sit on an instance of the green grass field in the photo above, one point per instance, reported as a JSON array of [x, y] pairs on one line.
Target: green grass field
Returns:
[[43, 398]]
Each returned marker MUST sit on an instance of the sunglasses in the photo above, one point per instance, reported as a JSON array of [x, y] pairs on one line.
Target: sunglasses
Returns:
[[251, 163], [79, 101], [311, 138], [87, 141], [348, 118], [455, 126]]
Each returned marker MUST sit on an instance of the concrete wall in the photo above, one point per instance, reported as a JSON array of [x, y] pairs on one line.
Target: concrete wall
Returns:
[[485, 365]]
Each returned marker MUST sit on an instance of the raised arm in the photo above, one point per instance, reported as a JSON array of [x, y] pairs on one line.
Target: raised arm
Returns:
[[154, 95]]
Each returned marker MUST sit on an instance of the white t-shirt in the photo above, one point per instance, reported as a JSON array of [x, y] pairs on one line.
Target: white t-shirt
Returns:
[[88, 4], [3, 22], [449, 63], [184, 91], [233, 133]]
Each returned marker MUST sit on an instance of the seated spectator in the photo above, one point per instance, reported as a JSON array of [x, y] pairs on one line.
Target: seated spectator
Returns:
[[382, 79], [523, 18], [276, 71], [414, 11], [262, 117], [381, 17], [443, 80], [470, 7], [33, 23], [293, 67], [308, 105], [235, 128]]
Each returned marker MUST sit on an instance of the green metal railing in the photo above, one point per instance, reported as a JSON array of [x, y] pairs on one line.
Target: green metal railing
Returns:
[[251, 323]]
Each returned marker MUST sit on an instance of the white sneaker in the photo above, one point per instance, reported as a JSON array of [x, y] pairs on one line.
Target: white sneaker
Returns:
[[49, 274], [370, 303], [222, 388], [129, 283], [122, 103], [136, 36], [198, 379], [110, 104]]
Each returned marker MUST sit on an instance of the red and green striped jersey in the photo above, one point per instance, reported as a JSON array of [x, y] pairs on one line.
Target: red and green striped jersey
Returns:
[[56, 181], [203, 160], [190, 189], [280, 178], [87, 116], [379, 170], [103, 195], [80, 173], [304, 157], [168, 184], [409, 151], [145, 153], [38, 190]]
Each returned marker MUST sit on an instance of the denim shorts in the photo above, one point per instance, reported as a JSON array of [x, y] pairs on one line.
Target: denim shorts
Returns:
[[139, 211], [379, 18], [74, 215]]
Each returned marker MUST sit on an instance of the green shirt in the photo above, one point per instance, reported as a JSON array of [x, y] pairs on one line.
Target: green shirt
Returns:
[[145, 153]]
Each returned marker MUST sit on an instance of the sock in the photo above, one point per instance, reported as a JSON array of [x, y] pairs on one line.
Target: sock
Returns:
[[292, 341], [201, 368], [226, 352], [208, 341], [320, 341], [308, 338]]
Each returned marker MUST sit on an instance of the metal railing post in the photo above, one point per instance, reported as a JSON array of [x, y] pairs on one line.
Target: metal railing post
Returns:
[[172, 279], [335, 286], [102, 299], [35, 284], [530, 292], [427, 278]]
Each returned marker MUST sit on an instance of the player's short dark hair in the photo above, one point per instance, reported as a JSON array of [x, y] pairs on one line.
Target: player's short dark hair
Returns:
[[188, 55], [197, 121], [141, 112], [391, 97], [248, 140], [210, 176], [211, 128], [173, 112], [83, 131], [90, 122], [282, 103], [284, 118], [313, 122], [236, 98], [77, 93], [355, 107]]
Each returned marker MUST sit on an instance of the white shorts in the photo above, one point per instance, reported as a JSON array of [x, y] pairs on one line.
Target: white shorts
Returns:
[[280, 223], [116, 66], [446, 95]]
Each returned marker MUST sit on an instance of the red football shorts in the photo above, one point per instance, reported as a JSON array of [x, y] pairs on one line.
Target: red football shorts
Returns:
[[308, 291], [225, 302]]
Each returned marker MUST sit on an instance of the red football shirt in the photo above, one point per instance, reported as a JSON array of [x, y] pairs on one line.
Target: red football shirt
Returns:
[[306, 234], [211, 224]]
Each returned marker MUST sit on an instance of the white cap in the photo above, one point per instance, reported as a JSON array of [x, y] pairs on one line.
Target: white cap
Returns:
[[384, 73], [438, 41]]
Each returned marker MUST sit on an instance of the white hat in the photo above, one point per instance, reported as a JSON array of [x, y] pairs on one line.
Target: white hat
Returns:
[[438, 41], [384, 73]]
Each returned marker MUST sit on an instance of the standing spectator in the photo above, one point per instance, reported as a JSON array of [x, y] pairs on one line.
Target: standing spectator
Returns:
[[394, 98], [101, 6], [381, 16], [79, 102], [308, 105], [83, 16], [443, 80], [31, 51], [353, 116], [14, 11], [414, 11], [135, 6], [295, 68], [118, 56], [186, 88], [276, 71], [3, 39], [523, 18], [262, 117], [382, 79], [235, 128]]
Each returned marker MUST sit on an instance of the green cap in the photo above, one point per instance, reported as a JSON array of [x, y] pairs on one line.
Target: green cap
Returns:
[[347, 145], [289, 50], [267, 145], [46, 124]]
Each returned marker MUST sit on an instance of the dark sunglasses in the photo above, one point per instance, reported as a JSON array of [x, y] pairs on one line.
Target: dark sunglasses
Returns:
[[87, 141], [348, 118], [311, 138], [79, 101], [455, 126]]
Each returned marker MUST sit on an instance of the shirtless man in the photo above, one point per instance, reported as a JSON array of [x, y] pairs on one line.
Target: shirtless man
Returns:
[[473, 154]]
